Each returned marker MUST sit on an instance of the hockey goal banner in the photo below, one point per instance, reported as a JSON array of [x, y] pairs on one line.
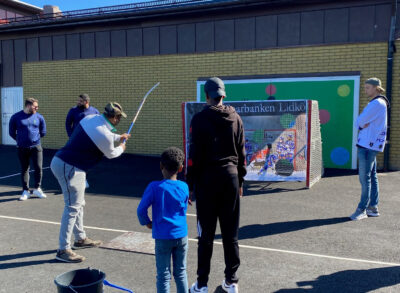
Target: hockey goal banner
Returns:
[[283, 138]]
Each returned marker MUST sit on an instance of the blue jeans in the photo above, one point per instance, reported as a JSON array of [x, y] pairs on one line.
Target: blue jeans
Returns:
[[368, 178], [178, 249]]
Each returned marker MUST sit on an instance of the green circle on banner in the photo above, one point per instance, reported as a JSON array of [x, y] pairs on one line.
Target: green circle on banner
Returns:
[[343, 90], [287, 120]]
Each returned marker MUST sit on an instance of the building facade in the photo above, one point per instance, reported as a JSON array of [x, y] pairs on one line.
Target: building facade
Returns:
[[119, 53]]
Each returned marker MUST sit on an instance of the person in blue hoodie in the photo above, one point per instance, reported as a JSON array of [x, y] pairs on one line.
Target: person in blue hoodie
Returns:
[[91, 140], [372, 126], [27, 127], [169, 200]]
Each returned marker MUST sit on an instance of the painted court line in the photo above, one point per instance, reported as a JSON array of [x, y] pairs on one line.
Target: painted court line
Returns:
[[220, 243], [17, 174]]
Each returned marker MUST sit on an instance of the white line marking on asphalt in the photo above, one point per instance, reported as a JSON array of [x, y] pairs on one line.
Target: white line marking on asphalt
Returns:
[[57, 223], [191, 215], [220, 243], [16, 174]]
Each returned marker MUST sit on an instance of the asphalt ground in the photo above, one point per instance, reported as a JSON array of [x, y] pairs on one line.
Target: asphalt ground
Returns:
[[292, 239]]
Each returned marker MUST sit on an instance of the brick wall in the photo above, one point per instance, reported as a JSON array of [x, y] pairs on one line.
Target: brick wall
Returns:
[[57, 84]]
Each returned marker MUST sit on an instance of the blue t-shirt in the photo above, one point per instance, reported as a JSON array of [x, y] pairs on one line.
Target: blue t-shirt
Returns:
[[75, 115], [27, 129], [169, 201]]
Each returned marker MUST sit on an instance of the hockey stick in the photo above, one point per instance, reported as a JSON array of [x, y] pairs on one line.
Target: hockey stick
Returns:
[[140, 107]]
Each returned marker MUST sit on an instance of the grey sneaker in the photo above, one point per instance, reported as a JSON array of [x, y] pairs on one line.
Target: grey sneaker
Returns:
[[359, 214], [373, 212], [68, 255], [87, 243]]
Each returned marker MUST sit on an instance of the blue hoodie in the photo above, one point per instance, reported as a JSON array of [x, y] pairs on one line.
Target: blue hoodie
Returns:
[[27, 129]]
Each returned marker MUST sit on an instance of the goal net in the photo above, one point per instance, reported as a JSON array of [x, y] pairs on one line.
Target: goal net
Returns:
[[283, 140]]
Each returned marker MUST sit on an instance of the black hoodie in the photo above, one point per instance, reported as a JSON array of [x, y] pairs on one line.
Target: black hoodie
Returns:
[[216, 142]]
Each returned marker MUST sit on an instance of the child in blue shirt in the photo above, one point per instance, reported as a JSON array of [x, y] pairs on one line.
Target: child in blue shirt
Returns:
[[168, 199]]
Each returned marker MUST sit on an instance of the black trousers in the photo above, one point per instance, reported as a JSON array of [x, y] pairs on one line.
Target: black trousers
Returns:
[[25, 155], [217, 198]]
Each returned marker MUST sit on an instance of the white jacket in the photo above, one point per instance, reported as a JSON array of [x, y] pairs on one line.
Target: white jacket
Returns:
[[373, 136]]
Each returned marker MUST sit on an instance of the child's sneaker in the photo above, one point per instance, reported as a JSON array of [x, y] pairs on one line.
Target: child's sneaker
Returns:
[[232, 288], [39, 193], [25, 195], [69, 256], [373, 212], [359, 214], [194, 289]]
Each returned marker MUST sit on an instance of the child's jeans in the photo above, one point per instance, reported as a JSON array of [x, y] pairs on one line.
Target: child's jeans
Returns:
[[177, 248]]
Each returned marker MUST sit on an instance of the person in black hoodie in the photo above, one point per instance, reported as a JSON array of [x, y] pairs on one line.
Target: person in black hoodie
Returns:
[[215, 172]]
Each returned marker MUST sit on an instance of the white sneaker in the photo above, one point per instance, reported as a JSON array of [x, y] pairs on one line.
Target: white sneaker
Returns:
[[39, 193], [194, 289], [25, 195], [359, 214], [373, 212], [232, 288], [86, 184]]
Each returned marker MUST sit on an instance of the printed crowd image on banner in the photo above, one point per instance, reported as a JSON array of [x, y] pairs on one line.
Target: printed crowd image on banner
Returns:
[[338, 100], [276, 138]]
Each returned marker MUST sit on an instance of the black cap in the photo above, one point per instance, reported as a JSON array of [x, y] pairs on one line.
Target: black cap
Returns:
[[215, 88]]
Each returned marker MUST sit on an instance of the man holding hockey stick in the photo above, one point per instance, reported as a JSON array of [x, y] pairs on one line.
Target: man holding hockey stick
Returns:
[[92, 139]]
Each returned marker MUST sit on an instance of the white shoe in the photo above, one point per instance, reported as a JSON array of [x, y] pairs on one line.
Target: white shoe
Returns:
[[86, 184], [39, 193], [359, 214], [25, 195], [373, 212], [194, 289], [232, 288]]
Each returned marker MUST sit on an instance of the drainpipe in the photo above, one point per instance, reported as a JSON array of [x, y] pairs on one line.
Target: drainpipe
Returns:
[[389, 80]]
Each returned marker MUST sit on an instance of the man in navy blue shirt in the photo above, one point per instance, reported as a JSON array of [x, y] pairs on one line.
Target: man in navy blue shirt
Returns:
[[77, 113], [27, 127]]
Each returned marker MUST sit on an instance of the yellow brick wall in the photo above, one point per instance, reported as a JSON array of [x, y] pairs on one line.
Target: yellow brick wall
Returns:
[[57, 84]]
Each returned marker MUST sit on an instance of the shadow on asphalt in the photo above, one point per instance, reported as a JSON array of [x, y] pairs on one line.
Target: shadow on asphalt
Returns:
[[219, 289], [26, 254], [8, 199], [262, 230], [13, 265], [332, 172], [250, 189], [350, 281], [18, 264], [10, 193]]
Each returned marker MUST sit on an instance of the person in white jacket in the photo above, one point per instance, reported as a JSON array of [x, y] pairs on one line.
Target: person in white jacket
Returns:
[[372, 126]]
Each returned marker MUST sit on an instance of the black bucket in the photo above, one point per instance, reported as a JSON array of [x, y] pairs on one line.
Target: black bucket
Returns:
[[80, 281]]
